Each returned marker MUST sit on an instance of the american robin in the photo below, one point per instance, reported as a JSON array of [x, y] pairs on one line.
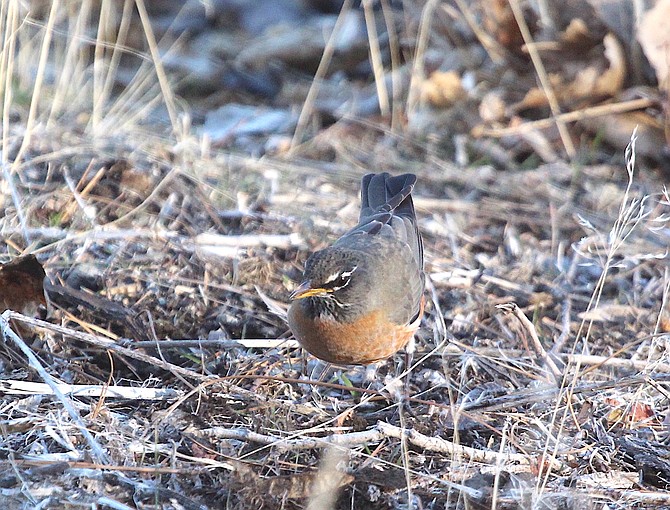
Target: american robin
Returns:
[[362, 298]]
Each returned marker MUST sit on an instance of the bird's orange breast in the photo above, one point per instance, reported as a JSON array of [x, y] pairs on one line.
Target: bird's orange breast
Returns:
[[369, 338]]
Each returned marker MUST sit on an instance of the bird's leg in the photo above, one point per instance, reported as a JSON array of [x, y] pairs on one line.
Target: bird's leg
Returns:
[[409, 358], [320, 370], [371, 372]]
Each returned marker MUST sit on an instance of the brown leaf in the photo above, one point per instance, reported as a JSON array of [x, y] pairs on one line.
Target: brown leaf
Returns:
[[443, 89], [593, 81], [499, 21], [654, 37], [603, 78], [637, 412], [610, 313], [640, 411], [492, 107], [22, 285], [615, 129], [576, 33]]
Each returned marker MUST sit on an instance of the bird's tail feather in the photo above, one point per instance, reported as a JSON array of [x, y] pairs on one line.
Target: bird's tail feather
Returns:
[[382, 192]]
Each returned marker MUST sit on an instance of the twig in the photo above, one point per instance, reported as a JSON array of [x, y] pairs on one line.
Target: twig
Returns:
[[105, 343], [499, 468], [376, 58], [12, 387], [207, 241], [418, 67], [586, 113], [39, 80], [376, 434], [328, 51], [539, 348], [522, 398], [329, 480], [105, 502], [117, 46], [158, 65], [16, 200], [492, 47], [98, 452], [202, 241], [394, 48], [544, 78], [247, 343], [9, 23]]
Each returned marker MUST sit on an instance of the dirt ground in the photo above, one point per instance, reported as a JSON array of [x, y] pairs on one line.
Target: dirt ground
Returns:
[[172, 167]]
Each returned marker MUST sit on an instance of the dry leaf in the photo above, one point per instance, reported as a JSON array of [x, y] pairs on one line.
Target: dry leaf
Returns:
[[576, 33], [640, 411], [610, 313], [590, 82], [22, 285], [492, 107], [654, 37], [134, 180], [442, 89], [664, 322], [615, 129], [500, 22], [630, 415]]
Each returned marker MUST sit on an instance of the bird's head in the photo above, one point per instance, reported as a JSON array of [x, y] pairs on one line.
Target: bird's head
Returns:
[[333, 280]]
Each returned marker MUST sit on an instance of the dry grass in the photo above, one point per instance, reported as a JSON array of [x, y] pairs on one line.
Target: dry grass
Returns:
[[559, 404]]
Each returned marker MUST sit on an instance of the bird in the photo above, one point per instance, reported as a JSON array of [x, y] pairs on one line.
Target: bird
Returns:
[[361, 299]]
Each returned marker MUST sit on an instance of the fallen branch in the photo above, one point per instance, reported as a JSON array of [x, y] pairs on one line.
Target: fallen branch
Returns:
[[11, 387], [380, 432]]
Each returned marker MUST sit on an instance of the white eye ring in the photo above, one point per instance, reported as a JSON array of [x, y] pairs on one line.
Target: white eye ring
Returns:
[[332, 277], [343, 274]]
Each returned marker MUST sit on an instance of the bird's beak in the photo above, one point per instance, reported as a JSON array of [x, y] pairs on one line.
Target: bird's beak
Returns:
[[305, 290]]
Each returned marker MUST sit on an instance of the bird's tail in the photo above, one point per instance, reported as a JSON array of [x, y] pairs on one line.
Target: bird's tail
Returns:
[[386, 202], [382, 192]]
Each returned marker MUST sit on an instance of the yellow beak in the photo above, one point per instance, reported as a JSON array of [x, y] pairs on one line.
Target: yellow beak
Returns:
[[305, 290]]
